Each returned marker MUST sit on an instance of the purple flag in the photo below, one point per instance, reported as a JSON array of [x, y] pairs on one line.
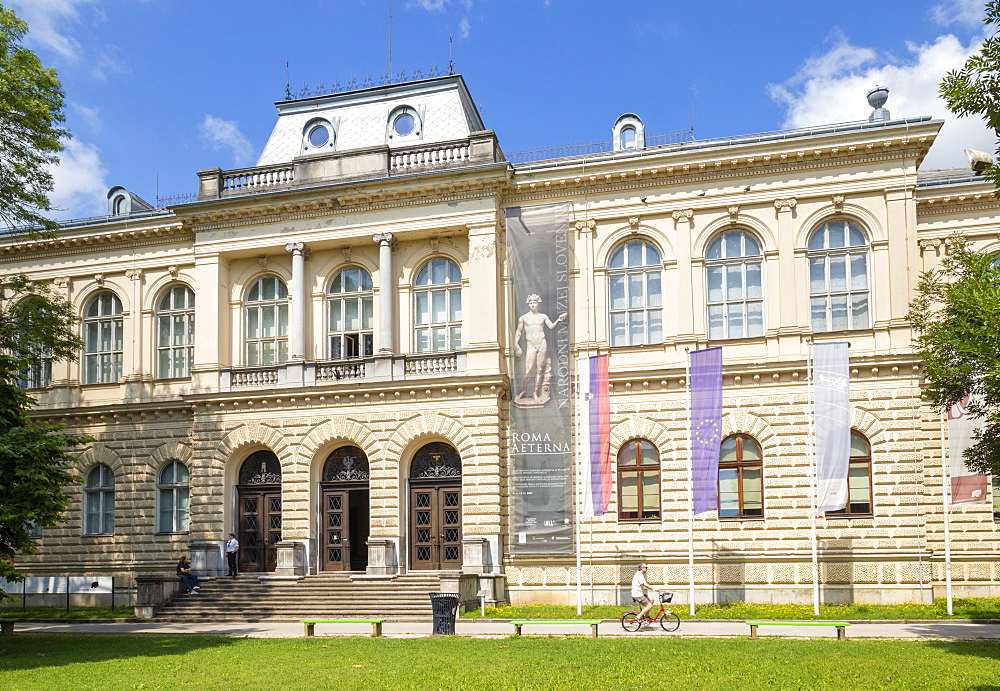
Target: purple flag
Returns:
[[706, 427]]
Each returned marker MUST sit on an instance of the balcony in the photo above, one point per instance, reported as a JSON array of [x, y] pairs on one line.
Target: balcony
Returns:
[[371, 163], [381, 368]]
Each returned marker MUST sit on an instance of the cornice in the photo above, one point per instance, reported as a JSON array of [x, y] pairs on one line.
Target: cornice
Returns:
[[368, 195], [114, 239], [954, 203], [609, 175]]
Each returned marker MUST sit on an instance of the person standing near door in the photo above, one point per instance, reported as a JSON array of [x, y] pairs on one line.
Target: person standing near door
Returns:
[[232, 547]]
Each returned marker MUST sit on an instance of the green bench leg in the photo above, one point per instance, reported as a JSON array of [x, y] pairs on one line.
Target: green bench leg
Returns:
[[6, 628], [376, 629], [841, 633], [753, 632], [593, 630], [517, 629], [310, 629]]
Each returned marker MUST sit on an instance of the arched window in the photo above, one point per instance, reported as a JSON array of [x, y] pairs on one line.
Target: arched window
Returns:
[[859, 479], [628, 138], [838, 277], [741, 489], [102, 340], [267, 322], [175, 327], [99, 501], [634, 294], [173, 490], [734, 289], [350, 314], [638, 481], [437, 310]]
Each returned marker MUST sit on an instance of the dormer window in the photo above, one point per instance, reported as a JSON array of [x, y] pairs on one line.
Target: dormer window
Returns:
[[319, 134], [628, 133], [404, 123], [628, 138]]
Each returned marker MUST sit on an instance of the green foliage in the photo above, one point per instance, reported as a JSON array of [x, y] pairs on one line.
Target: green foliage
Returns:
[[656, 661], [975, 88], [12, 610], [34, 323], [31, 115], [957, 318]]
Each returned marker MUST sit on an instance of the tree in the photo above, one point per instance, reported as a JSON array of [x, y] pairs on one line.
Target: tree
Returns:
[[957, 316], [35, 323], [31, 115]]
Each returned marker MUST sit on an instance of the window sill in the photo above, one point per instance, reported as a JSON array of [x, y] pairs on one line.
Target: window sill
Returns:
[[173, 532], [98, 535], [633, 521], [867, 331], [169, 380], [742, 519], [847, 517]]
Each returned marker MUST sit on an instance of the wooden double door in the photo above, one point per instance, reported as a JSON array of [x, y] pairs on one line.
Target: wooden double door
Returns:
[[346, 524], [259, 528], [436, 524]]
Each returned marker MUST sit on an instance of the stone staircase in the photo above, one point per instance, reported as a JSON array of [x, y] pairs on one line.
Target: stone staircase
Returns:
[[324, 596]]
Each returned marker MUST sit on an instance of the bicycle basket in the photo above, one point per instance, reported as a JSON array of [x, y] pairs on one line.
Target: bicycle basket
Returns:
[[666, 598]]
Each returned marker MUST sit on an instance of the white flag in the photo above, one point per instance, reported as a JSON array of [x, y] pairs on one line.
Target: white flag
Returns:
[[832, 405]]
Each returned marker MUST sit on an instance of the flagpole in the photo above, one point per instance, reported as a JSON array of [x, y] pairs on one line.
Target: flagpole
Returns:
[[812, 477], [946, 495], [690, 475], [579, 493]]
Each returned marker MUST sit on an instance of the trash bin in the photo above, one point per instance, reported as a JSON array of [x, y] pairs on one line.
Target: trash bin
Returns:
[[445, 607]]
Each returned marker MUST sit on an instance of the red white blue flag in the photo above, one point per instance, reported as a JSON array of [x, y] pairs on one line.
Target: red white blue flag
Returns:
[[595, 429]]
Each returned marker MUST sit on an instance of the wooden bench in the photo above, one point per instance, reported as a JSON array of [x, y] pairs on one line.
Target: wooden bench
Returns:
[[7, 627], [551, 622], [310, 625], [841, 626]]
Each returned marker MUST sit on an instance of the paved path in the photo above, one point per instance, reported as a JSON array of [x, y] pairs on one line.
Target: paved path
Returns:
[[952, 630]]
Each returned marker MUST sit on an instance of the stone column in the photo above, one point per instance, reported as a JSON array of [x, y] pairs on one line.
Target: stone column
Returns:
[[297, 310], [386, 293], [211, 343]]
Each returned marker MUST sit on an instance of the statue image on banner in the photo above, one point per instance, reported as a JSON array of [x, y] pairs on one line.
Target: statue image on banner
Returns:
[[537, 375]]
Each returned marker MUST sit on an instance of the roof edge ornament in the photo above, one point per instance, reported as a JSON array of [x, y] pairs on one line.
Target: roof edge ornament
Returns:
[[876, 99]]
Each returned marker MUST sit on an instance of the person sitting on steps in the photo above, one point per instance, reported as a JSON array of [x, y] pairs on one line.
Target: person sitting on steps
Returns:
[[187, 576]]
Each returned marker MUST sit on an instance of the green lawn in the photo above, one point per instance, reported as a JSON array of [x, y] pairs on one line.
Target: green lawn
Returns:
[[978, 608], [120, 612], [126, 662]]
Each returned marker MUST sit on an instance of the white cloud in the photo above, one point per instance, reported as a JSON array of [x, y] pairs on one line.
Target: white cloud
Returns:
[[430, 5], [464, 28], [967, 12], [831, 88], [46, 19], [221, 134], [80, 189], [91, 117]]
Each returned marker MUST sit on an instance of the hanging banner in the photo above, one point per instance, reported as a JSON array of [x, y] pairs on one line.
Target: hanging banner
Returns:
[[595, 433], [966, 487], [541, 421], [831, 385], [706, 427]]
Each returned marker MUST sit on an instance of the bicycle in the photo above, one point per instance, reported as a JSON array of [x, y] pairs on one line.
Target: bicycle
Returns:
[[631, 621]]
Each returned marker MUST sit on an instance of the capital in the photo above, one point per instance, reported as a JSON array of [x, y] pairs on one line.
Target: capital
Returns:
[[297, 248], [384, 238], [784, 204]]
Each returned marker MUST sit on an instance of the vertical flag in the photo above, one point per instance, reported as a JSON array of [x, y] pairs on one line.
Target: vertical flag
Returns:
[[832, 408], [966, 487], [595, 428], [706, 427]]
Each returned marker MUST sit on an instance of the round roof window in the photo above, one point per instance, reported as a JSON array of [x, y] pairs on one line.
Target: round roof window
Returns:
[[319, 136], [404, 124]]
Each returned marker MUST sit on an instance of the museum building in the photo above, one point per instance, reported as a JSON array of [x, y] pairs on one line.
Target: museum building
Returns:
[[317, 354]]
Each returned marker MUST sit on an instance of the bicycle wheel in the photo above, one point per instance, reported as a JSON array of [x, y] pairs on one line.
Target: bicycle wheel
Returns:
[[631, 621], [670, 621]]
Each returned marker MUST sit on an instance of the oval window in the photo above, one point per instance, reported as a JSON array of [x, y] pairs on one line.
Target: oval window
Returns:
[[403, 125], [319, 136]]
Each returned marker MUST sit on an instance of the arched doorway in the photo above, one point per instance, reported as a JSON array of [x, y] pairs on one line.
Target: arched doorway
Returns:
[[345, 514], [259, 498], [436, 508]]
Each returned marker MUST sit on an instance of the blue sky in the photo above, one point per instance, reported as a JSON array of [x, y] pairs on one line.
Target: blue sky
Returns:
[[158, 89]]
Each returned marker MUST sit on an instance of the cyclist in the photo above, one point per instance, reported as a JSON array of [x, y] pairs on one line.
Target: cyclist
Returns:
[[638, 585]]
